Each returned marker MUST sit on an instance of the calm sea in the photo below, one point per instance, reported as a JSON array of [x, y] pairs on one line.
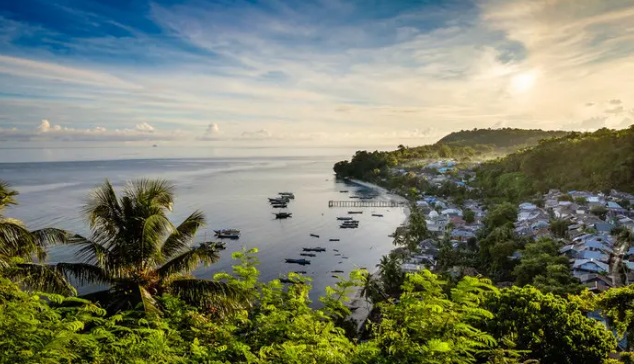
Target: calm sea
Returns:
[[231, 188]]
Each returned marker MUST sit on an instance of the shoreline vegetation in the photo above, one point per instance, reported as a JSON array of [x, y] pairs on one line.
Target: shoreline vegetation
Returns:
[[154, 311]]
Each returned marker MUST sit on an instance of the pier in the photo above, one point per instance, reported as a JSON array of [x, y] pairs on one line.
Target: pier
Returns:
[[332, 203]]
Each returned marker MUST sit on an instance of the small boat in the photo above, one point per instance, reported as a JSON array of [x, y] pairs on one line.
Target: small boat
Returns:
[[354, 197], [337, 250], [344, 218], [279, 200], [285, 280], [283, 215], [300, 272], [228, 233], [377, 215], [308, 255], [336, 271], [344, 257], [354, 212], [317, 249], [338, 255], [287, 194], [334, 277], [279, 205], [333, 239], [297, 261], [314, 235], [344, 191]]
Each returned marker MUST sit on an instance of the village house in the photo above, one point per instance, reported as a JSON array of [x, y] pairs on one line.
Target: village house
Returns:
[[585, 266]]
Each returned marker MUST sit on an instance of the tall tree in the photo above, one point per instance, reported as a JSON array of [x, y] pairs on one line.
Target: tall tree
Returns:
[[136, 251]]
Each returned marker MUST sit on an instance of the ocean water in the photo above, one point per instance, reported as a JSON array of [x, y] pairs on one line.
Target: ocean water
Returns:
[[232, 192]]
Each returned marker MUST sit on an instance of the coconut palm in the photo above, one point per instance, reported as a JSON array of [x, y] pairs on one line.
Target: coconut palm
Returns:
[[138, 253], [17, 243]]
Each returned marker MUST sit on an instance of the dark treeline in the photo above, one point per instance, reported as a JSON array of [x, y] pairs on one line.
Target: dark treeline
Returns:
[[506, 139], [597, 161], [464, 146]]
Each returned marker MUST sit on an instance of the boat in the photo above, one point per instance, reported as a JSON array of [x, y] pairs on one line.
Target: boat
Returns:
[[279, 205], [308, 255], [283, 215], [354, 212], [279, 200], [314, 235], [317, 249], [297, 261], [354, 197], [336, 271], [344, 191], [228, 233], [334, 277], [300, 272], [285, 280], [337, 250], [337, 255], [344, 218], [377, 215], [333, 239], [287, 194], [348, 226]]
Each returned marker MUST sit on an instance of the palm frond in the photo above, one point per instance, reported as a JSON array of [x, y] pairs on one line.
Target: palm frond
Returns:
[[83, 273], [151, 192], [182, 236], [103, 210], [206, 253], [16, 240], [154, 229], [48, 237], [91, 252], [40, 277], [127, 295], [207, 292], [7, 195]]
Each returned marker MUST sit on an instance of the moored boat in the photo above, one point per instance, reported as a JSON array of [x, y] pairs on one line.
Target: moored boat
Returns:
[[228, 233], [333, 239], [283, 215], [354, 212], [308, 255], [336, 271], [316, 249], [297, 261], [290, 195], [314, 235], [344, 218], [377, 215], [279, 205]]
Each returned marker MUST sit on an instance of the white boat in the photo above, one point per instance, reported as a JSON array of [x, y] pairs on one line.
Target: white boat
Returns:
[[287, 194]]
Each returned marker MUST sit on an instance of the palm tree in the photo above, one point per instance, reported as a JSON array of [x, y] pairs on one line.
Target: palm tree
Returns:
[[136, 251], [19, 245]]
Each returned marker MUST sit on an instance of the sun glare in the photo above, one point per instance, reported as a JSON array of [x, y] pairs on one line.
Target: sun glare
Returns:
[[523, 82]]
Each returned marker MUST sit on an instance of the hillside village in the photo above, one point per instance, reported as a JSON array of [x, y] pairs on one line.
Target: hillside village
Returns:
[[590, 240]]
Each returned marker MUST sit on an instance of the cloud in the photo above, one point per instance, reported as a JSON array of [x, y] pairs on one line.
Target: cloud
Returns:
[[257, 135], [49, 132], [615, 110], [144, 128], [301, 70]]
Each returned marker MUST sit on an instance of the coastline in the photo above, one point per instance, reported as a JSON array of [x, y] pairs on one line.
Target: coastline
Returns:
[[364, 306]]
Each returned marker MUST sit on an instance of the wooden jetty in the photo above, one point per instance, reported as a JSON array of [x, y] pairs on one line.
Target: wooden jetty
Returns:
[[349, 203]]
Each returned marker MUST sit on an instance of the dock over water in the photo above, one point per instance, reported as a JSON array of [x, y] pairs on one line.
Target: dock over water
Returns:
[[348, 203]]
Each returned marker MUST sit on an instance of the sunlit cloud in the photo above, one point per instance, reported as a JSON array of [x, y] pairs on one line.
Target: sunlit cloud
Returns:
[[315, 71]]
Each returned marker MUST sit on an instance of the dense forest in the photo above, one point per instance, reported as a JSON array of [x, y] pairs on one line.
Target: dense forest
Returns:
[[463, 146], [599, 161], [502, 140], [153, 311]]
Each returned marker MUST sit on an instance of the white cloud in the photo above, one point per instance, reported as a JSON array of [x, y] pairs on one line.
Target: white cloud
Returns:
[[258, 134], [144, 127], [49, 132]]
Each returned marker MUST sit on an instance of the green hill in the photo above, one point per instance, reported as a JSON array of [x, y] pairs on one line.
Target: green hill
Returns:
[[465, 145], [601, 160], [506, 139]]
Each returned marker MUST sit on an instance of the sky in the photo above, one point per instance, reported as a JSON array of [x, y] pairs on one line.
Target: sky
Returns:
[[382, 72]]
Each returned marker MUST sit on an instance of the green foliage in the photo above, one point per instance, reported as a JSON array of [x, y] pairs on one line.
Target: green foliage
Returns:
[[600, 211], [429, 326], [600, 161], [503, 215], [551, 328], [468, 216], [543, 267], [505, 139], [559, 227], [618, 305]]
